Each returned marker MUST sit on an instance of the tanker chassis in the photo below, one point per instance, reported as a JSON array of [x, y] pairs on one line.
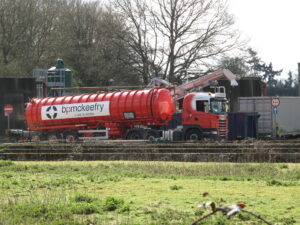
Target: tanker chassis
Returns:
[[131, 115]]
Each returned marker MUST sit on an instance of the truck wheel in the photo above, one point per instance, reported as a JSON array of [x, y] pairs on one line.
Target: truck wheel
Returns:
[[53, 137], [70, 136], [194, 135], [151, 135], [135, 134]]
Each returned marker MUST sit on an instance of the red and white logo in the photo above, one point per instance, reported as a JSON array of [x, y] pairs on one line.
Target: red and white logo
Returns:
[[8, 109], [76, 110], [275, 102]]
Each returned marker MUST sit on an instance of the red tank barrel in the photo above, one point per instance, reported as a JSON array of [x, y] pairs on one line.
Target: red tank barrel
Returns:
[[154, 106]]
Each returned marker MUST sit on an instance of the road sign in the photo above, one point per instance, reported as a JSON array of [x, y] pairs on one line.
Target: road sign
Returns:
[[275, 102], [275, 110], [8, 109]]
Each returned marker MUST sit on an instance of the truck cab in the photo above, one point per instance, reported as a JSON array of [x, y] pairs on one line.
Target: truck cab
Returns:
[[204, 115]]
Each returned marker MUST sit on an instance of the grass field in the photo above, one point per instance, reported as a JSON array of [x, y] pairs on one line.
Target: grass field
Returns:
[[145, 192]]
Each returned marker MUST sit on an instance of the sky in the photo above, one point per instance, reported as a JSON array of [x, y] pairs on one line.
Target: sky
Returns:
[[273, 30]]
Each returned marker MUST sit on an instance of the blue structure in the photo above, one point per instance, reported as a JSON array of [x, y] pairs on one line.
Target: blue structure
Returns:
[[56, 77]]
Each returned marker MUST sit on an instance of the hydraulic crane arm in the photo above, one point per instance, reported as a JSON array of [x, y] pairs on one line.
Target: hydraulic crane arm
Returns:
[[182, 90]]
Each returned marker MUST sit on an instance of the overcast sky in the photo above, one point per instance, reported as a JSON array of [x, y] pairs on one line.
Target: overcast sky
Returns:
[[273, 27]]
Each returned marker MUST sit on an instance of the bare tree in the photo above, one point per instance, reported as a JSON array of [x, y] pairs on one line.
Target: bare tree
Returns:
[[142, 38], [40, 34], [87, 35], [12, 27], [189, 33], [90, 38], [26, 27]]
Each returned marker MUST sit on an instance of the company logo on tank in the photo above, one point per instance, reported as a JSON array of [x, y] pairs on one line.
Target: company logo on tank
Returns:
[[77, 110]]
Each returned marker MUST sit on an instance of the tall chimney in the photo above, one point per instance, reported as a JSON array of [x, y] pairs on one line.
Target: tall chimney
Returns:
[[298, 79]]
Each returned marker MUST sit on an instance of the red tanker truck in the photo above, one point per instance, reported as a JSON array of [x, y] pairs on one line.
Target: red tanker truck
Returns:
[[134, 114]]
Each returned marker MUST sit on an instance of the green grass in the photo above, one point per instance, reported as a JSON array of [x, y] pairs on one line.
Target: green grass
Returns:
[[145, 192]]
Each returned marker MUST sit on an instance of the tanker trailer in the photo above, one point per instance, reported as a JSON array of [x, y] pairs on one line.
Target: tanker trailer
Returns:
[[134, 114]]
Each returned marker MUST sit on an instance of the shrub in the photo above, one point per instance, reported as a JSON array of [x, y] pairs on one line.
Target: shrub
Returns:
[[289, 221], [124, 209], [283, 166], [111, 203], [176, 187], [83, 198], [279, 183], [84, 208], [274, 183], [225, 178], [244, 217], [199, 212]]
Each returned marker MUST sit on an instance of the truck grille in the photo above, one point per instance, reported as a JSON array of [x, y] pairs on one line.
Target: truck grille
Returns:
[[223, 128]]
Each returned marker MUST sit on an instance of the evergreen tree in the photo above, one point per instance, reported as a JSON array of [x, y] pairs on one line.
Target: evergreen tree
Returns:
[[289, 82], [268, 73]]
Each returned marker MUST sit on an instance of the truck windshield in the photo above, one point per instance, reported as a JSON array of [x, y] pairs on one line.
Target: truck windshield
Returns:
[[218, 106]]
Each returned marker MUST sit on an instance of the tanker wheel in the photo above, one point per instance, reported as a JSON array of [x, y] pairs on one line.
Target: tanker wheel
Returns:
[[53, 137], [135, 134], [194, 135], [70, 136], [151, 135]]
